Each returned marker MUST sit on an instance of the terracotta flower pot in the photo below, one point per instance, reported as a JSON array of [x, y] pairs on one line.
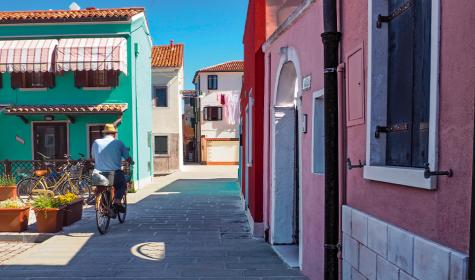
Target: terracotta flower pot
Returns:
[[73, 212], [8, 192], [49, 220], [14, 219]]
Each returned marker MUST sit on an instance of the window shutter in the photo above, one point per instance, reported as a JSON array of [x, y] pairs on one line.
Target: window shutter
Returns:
[[79, 79], [1, 80], [16, 80], [408, 84], [205, 113], [113, 78], [219, 113], [50, 79]]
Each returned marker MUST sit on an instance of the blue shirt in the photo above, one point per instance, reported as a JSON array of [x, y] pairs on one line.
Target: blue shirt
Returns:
[[108, 153]]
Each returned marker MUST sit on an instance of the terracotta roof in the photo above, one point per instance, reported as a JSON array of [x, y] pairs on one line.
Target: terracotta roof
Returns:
[[66, 109], [168, 56], [230, 66], [59, 16]]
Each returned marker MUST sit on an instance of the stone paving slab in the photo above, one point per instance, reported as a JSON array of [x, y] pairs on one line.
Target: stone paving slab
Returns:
[[9, 250], [188, 226]]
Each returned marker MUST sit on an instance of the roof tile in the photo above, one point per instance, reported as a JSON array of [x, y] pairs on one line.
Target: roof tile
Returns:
[[58, 109], [230, 66], [59, 16], [168, 55]]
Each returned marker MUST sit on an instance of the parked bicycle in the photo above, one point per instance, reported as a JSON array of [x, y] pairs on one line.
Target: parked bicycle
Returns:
[[105, 199], [56, 179]]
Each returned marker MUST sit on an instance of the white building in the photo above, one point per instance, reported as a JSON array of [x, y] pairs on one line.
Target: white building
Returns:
[[220, 88], [167, 83]]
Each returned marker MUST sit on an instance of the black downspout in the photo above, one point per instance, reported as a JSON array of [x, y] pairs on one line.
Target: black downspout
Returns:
[[471, 257], [331, 39]]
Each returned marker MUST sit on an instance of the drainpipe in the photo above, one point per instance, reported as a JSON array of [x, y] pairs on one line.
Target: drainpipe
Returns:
[[331, 38], [471, 258]]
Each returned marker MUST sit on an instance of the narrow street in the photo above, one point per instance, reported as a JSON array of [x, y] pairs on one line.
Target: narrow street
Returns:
[[189, 225]]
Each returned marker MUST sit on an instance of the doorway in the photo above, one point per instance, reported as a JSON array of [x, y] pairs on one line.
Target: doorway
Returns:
[[51, 140]]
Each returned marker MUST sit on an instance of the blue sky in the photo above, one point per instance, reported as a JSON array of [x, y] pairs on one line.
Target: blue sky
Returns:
[[211, 30]]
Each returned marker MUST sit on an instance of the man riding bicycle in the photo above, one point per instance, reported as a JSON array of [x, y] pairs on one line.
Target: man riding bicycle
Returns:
[[108, 154]]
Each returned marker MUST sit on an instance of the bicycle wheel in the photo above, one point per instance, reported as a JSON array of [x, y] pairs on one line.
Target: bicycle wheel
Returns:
[[85, 190], [68, 186], [102, 212], [122, 216], [25, 188]]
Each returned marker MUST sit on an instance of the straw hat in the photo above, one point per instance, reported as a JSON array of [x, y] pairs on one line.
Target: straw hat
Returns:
[[109, 129]]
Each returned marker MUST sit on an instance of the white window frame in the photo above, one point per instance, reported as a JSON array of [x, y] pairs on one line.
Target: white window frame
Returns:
[[375, 168], [168, 146], [320, 94]]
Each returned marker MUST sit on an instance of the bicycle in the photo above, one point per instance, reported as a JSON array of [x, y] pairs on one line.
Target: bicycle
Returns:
[[51, 182], [104, 203]]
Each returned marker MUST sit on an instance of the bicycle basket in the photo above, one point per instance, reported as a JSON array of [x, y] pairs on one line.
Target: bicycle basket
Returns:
[[102, 179], [41, 172], [76, 171]]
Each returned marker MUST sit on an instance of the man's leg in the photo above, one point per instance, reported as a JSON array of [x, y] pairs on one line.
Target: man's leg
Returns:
[[120, 187]]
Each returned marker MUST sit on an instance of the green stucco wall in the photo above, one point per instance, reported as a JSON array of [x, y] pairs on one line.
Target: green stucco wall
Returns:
[[136, 121]]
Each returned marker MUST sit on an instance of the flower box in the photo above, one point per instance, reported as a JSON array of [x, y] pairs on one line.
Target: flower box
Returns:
[[14, 219], [8, 192], [49, 220], [73, 212]]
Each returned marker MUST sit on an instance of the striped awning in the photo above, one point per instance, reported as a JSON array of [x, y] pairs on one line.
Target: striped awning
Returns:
[[86, 54], [27, 55]]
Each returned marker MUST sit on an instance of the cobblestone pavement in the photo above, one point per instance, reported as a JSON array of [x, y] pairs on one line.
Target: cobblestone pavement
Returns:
[[188, 229], [9, 250]]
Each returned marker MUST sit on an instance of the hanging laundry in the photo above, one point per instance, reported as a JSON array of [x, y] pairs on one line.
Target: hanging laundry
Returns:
[[223, 99]]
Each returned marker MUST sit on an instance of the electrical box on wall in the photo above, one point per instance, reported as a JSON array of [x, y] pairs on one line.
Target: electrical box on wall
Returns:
[[355, 87]]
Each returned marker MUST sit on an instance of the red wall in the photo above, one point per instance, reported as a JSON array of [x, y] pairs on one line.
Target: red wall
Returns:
[[254, 37], [441, 215]]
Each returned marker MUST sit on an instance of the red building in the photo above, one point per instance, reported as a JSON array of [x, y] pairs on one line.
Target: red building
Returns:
[[252, 114]]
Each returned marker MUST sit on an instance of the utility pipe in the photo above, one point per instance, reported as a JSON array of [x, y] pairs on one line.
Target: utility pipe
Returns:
[[331, 38], [471, 257]]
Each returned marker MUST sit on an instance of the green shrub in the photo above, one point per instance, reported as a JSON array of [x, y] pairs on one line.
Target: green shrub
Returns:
[[7, 180], [12, 204], [45, 201]]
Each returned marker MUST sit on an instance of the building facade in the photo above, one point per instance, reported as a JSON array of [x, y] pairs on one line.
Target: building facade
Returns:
[[67, 73], [220, 88], [252, 115], [167, 84], [403, 115], [191, 126]]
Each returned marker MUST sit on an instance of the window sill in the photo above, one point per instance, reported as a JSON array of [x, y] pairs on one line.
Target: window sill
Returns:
[[97, 88], [161, 156], [34, 89], [411, 177]]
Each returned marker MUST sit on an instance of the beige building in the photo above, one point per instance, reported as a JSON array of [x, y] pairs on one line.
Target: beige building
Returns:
[[220, 89], [167, 83]]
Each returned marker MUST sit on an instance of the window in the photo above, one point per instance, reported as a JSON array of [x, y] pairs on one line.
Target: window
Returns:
[[32, 80], [94, 132], [318, 133], [403, 63], [161, 145], [161, 97], [213, 113], [96, 79], [212, 81]]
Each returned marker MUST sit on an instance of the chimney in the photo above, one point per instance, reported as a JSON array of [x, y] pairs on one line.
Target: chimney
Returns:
[[172, 43], [74, 6], [91, 8]]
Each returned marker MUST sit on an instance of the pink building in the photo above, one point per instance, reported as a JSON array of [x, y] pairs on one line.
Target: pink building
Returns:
[[406, 100]]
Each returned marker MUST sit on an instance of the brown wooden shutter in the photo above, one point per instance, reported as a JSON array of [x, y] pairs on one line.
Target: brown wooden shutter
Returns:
[[16, 80], [112, 78], [80, 79], [50, 79]]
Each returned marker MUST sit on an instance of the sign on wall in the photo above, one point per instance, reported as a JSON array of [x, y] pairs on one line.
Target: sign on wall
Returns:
[[307, 82], [20, 140]]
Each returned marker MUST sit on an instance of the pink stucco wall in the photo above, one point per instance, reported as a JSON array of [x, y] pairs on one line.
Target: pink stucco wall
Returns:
[[304, 37], [441, 215]]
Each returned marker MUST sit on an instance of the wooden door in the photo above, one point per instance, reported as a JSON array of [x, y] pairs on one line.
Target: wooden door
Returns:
[[51, 140]]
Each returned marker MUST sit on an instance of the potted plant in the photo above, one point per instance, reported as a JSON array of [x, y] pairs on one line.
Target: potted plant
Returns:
[[49, 214], [7, 187], [72, 208], [13, 216]]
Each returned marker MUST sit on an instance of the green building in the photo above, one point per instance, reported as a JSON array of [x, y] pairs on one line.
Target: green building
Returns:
[[64, 74]]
